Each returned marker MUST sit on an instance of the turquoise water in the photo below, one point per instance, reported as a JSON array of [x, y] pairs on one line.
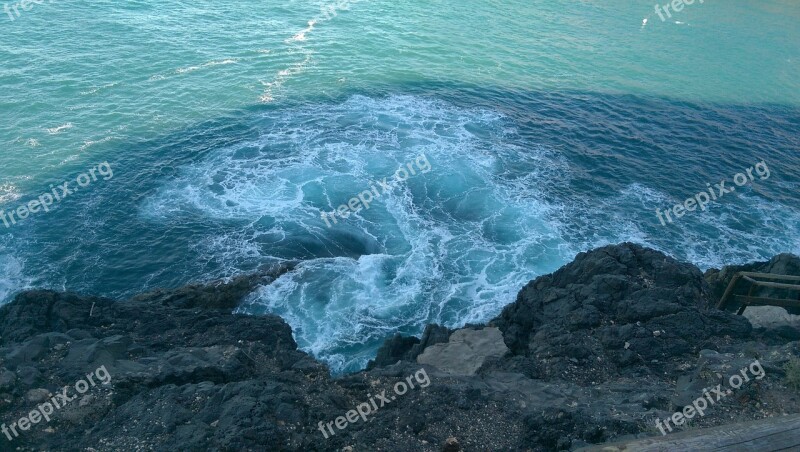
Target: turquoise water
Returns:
[[550, 127]]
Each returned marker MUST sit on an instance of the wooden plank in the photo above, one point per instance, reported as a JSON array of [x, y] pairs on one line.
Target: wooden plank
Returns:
[[724, 300], [771, 276], [767, 435], [774, 284], [748, 278]]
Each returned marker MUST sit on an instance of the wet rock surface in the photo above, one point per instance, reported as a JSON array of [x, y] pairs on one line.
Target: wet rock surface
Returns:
[[593, 352]]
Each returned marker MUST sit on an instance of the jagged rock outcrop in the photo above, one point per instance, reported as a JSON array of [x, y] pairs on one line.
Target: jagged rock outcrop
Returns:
[[595, 351], [173, 356], [407, 348], [614, 308]]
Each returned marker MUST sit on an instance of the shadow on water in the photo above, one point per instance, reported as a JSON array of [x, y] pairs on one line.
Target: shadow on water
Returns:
[[617, 150]]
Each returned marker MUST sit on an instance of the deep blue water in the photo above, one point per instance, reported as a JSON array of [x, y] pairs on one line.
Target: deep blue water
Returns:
[[520, 182]]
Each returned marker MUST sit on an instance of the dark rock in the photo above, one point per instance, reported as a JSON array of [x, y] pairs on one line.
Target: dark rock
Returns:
[[398, 348], [402, 348], [37, 395], [28, 376], [614, 308], [598, 350], [451, 445], [7, 380], [219, 295], [787, 333]]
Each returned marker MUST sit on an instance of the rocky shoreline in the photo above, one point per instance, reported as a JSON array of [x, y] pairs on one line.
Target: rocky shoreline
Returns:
[[596, 351]]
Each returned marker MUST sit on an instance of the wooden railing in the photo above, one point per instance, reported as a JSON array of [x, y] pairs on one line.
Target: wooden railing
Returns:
[[756, 280]]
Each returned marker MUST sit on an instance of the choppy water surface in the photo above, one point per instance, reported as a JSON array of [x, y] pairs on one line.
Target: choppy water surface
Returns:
[[550, 128]]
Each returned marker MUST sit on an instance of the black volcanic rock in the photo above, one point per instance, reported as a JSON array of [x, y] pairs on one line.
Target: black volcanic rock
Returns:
[[614, 308], [599, 349], [168, 353], [404, 348]]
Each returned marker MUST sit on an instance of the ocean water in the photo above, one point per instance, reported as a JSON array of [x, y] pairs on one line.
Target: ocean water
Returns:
[[219, 133]]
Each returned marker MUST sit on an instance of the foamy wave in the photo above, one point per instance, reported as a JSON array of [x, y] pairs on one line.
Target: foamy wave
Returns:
[[450, 246], [295, 69], [87, 144], [8, 193], [12, 279], [94, 90], [209, 64], [55, 130], [709, 239], [301, 35], [184, 70]]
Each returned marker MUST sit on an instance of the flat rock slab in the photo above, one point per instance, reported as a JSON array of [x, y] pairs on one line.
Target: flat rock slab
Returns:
[[465, 352], [771, 317], [766, 435]]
